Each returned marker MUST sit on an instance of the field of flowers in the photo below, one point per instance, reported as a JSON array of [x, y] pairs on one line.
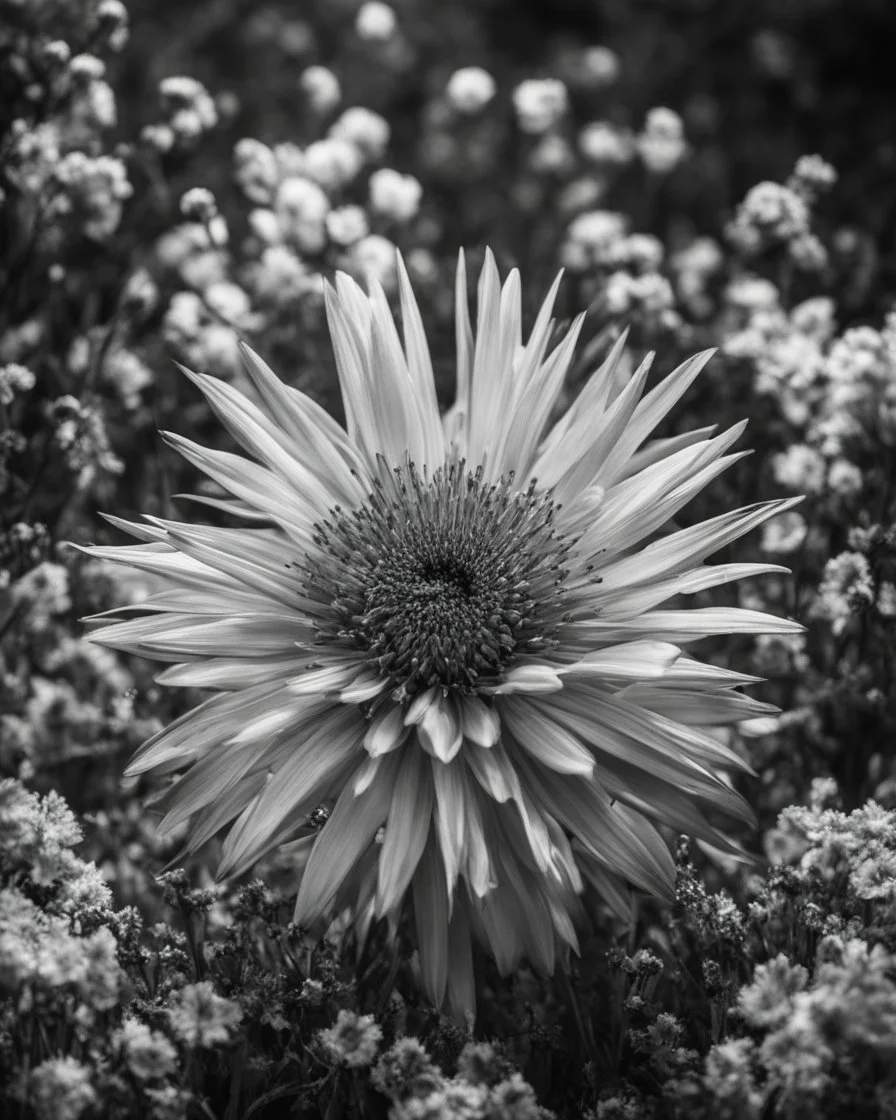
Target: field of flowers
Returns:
[[711, 931]]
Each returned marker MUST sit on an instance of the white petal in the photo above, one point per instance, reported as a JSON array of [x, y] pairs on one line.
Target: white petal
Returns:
[[386, 733], [407, 829], [592, 400], [654, 406], [456, 419], [630, 661], [628, 599], [175, 637], [364, 775], [313, 766], [450, 818], [271, 722], [439, 731], [228, 673], [621, 840], [678, 551], [695, 708], [532, 409], [343, 840], [431, 914], [363, 688], [420, 367], [545, 740], [574, 467], [310, 427], [326, 679], [419, 706], [253, 431], [480, 722], [258, 486], [687, 626], [528, 678], [494, 771]]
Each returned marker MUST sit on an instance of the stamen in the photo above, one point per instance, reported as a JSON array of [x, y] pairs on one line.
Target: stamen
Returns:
[[443, 580]]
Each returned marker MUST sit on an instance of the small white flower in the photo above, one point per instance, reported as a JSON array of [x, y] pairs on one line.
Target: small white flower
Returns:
[[375, 21], [346, 225], [373, 257], [321, 87], [353, 1040], [801, 468], [551, 155], [593, 239], [301, 208], [845, 478], [394, 195], [256, 171], [368, 131], [60, 1089], [599, 66], [265, 225], [539, 104], [198, 204], [332, 163], [470, 89], [603, 143], [662, 144], [228, 300], [785, 533]]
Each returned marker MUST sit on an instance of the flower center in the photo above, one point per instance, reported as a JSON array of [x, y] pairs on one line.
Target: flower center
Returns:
[[443, 579]]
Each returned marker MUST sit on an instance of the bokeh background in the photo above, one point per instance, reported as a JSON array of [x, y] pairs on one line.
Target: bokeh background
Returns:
[[176, 177]]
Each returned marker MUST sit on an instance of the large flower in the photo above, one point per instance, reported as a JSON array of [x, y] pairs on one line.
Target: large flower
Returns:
[[451, 627]]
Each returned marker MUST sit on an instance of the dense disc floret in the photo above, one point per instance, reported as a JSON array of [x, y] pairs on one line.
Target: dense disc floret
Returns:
[[443, 578]]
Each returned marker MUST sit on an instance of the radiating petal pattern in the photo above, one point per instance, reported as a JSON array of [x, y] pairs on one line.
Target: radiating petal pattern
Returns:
[[445, 652]]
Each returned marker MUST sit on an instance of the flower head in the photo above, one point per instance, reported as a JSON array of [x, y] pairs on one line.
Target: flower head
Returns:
[[200, 1017], [449, 631], [353, 1040], [60, 1089], [470, 89]]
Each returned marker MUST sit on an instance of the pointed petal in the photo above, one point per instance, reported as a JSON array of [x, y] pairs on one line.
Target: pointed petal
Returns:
[[461, 989], [527, 678], [650, 411], [630, 661], [230, 673], [386, 733], [327, 751], [327, 679], [263, 439], [439, 731], [615, 730], [546, 740], [310, 427], [621, 840], [480, 722], [420, 367], [591, 401], [450, 816], [407, 830], [687, 626], [431, 917], [494, 771], [344, 838], [456, 420], [364, 775]]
